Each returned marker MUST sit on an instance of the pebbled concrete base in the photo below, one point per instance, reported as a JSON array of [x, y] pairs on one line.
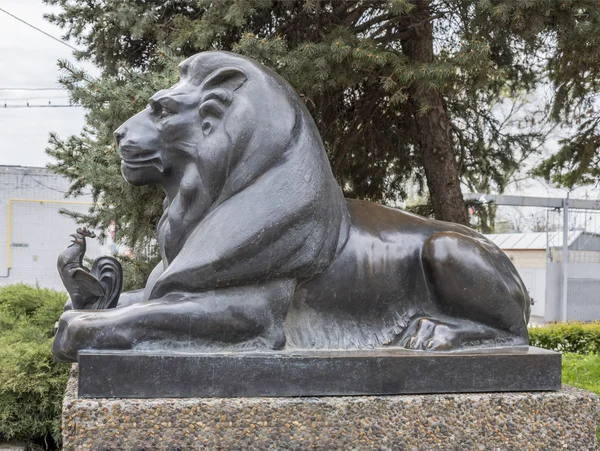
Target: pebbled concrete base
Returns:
[[565, 419]]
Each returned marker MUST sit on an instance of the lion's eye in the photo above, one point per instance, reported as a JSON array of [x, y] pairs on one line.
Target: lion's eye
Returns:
[[159, 110], [164, 112]]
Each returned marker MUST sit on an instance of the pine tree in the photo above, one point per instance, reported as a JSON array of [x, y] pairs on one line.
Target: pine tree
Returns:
[[574, 69], [400, 90]]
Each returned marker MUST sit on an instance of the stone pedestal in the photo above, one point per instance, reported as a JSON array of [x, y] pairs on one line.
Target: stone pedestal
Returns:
[[565, 419], [315, 372]]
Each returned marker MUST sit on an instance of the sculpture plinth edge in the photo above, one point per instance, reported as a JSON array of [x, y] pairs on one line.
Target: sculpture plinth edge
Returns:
[[122, 374]]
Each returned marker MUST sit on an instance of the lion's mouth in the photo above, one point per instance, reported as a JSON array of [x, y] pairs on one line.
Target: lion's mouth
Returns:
[[142, 160]]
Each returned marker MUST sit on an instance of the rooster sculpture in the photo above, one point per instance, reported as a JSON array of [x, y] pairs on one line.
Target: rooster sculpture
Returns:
[[95, 289]]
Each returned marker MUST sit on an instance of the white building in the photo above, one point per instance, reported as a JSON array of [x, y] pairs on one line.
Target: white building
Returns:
[[33, 232], [537, 257]]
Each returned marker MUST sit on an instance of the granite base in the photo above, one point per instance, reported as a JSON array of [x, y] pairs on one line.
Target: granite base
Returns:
[[318, 372], [564, 419]]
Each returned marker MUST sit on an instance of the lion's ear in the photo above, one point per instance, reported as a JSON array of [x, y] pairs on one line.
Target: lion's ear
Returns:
[[217, 95]]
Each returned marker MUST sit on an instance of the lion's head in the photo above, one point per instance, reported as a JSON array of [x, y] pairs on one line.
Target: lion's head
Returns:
[[208, 120], [234, 148]]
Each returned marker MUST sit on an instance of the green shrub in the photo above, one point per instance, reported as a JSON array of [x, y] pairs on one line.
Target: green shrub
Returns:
[[31, 384], [582, 371], [575, 337]]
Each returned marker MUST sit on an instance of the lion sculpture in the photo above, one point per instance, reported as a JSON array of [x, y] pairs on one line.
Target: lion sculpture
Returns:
[[261, 250]]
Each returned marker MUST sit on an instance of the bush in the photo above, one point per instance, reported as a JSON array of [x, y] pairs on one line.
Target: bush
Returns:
[[31, 384], [575, 337]]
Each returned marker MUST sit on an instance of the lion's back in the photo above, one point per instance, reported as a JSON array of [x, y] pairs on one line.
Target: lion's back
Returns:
[[377, 280]]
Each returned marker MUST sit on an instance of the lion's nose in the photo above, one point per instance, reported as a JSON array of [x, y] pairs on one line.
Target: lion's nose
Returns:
[[119, 133]]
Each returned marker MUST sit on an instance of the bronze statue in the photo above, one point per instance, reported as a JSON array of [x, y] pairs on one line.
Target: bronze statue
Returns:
[[261, 250], [98, 288]]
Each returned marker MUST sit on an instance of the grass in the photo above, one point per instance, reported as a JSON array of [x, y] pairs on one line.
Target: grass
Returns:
[[582, 371]]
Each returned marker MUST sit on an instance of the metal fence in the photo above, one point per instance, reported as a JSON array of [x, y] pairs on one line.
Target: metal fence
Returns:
[[580, 271], [562, 271], [583, 299], [583, 233]]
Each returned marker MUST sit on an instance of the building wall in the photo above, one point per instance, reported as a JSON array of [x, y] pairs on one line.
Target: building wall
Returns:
[[583, 286], [535, 282], [543, 279], [586, 241], [531, 264], [527, 258], [38, 232], [576, 256]]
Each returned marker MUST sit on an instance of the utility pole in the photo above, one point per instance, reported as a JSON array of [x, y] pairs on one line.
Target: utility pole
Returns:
[[546, 202], [565, 260]]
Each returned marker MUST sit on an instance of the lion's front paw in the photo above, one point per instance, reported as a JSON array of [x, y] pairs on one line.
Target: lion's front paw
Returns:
[[68, 305], [67, 339], [432, 335]]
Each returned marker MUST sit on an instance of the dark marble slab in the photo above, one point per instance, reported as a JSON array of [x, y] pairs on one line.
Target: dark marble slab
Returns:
[[140, 374]]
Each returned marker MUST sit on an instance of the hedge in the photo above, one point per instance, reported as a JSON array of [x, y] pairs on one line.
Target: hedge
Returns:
[[575, 337], [31, 384]]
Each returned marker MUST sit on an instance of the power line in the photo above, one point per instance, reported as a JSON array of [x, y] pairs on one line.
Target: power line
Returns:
[[42, 184], [9, 99], [31, 89], [39, 106], [41, 31]]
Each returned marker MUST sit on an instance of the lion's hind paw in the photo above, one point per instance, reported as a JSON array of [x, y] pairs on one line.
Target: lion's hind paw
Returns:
[[432, 335]]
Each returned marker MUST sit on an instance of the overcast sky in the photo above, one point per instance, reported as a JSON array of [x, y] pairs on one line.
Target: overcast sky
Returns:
[[29, 61]]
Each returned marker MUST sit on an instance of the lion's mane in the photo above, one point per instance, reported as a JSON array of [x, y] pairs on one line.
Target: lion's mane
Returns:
[[275, 209]]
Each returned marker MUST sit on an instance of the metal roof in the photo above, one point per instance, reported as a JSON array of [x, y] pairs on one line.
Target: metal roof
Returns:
[[532, 240]]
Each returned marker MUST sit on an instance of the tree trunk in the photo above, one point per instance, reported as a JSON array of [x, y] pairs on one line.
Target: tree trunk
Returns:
[[433, 125]]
